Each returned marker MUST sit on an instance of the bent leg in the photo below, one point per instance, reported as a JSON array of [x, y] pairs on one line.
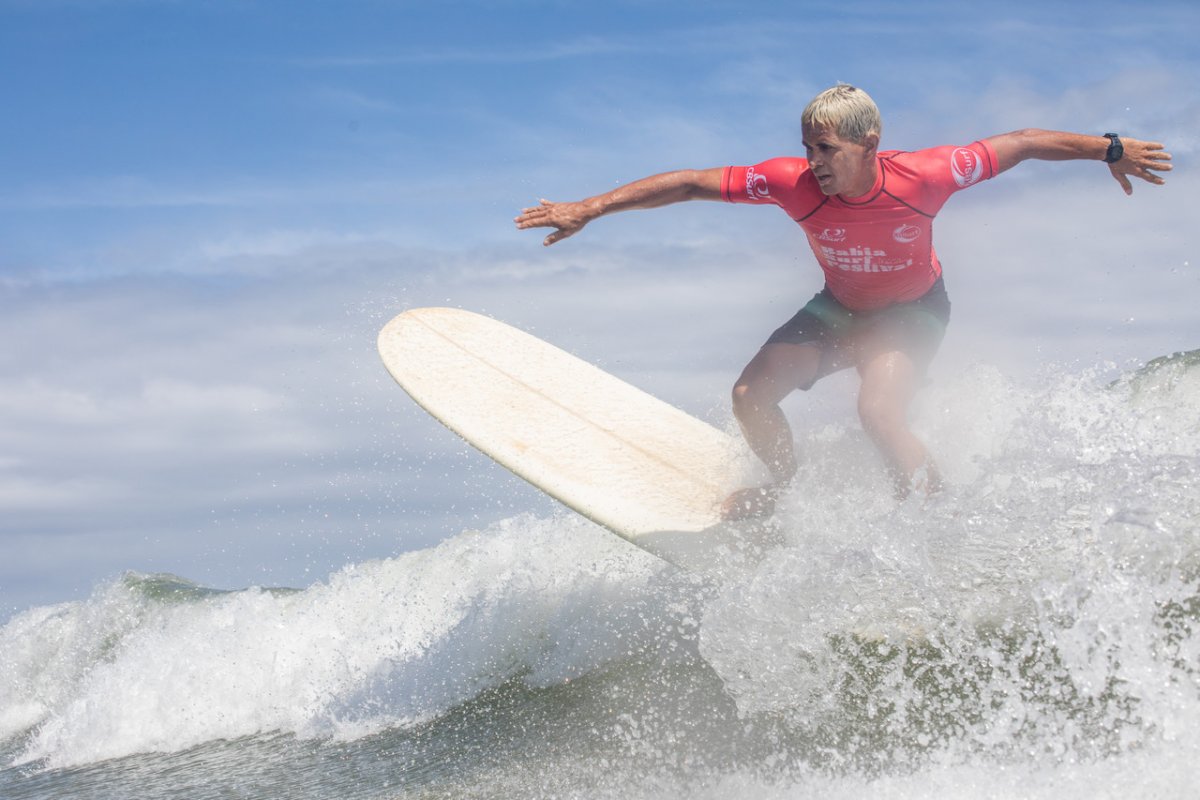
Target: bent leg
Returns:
[[775, 372], [889, 381]]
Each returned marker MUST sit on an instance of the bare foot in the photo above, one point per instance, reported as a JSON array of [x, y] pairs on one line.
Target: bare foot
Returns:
[[750, 503], [925, 482]]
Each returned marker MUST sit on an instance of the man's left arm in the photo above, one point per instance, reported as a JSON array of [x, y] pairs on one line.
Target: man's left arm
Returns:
[[1139, 159]]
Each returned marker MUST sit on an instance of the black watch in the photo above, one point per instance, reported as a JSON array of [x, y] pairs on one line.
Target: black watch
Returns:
[[1115, 149]]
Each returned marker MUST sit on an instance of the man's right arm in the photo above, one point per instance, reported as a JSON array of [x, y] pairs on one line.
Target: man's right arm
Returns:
[[658, 190]]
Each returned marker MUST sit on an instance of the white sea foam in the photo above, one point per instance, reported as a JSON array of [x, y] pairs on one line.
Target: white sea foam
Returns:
[[1052, 592], [152, 664], [1036, 622]]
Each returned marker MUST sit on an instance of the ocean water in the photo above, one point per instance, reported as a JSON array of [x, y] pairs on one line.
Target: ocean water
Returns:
[[1033, 632]]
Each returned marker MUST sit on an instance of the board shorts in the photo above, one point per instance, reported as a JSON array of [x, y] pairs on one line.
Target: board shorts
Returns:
[[914, 328]]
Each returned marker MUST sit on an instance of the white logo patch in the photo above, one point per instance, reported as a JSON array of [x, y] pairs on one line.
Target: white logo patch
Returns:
[[906, 234], [756, 185], [966, 166], [833, 235]]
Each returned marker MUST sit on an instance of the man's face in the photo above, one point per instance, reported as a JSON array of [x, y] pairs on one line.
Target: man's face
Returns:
[[839, 165]]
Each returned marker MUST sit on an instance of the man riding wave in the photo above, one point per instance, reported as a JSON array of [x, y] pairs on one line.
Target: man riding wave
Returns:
[[868, 218]]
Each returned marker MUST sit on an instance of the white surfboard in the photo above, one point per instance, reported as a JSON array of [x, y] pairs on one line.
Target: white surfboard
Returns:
[[615, 454]]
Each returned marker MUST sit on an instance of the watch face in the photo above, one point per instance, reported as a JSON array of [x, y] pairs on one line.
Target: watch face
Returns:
[[1115, 148]]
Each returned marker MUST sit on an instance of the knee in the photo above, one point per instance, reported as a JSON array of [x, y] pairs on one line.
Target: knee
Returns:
[[749, 396], [743, 398]]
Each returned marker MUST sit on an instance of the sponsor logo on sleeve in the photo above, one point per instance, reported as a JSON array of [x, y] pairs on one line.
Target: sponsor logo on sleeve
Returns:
[[906, 234], [966, 166], [756, 185]]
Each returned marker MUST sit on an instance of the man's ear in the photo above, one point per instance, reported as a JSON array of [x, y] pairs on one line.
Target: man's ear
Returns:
[[871, 143]]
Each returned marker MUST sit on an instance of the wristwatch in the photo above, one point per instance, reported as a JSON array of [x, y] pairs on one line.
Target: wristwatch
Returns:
[[1115, 149]]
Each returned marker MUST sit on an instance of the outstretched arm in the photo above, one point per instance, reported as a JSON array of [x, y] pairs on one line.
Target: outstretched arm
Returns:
[[658, 190], [1141, 159]]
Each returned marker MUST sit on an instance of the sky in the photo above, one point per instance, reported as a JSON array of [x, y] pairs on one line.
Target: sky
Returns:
[[208, 210]]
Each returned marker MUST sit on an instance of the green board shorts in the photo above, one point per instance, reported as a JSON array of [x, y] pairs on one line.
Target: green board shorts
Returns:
[[915, 328]]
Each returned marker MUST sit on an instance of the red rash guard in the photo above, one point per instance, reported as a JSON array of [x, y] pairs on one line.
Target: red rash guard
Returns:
[[876, 249]]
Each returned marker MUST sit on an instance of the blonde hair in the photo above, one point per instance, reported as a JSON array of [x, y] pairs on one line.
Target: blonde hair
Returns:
[[848, 110]]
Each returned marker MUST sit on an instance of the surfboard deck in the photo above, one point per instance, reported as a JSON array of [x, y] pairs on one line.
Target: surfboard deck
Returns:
[[612, 452]]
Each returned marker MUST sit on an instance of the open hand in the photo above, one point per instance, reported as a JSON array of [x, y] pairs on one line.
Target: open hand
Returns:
[[567, 218], [1141, 160]]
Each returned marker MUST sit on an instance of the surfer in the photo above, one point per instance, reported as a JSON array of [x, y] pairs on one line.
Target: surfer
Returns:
[[868, 217]]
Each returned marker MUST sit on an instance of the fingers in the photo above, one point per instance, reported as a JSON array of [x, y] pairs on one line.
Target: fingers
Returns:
[[565, 217], [1145, 156], [1125, 182], [1156, 153], [1121, 178], [1150, 177], [558, 236], [1157, 148], [537, 216], [1159, 162], [542, 208]]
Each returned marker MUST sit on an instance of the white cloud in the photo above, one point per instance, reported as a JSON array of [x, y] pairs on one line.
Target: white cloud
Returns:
[[21, 494], [29, 396], [175, 396]]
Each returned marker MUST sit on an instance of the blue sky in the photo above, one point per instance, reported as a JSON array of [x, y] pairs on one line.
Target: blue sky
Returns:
[[208, 209]]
